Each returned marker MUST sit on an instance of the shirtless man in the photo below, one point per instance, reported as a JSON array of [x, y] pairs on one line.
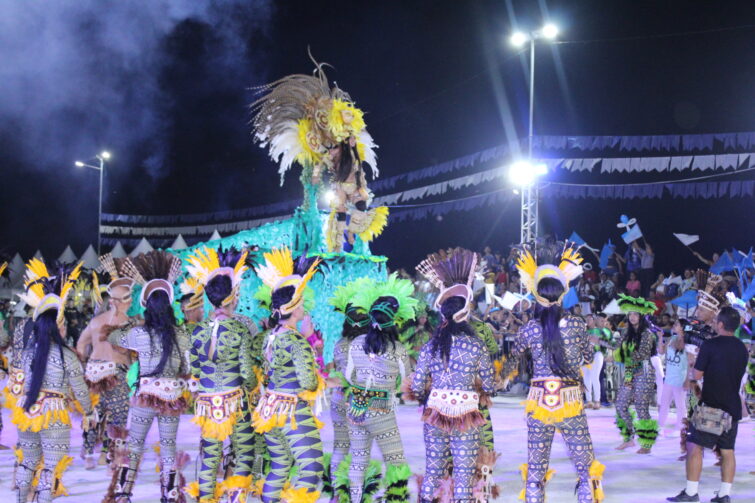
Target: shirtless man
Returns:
[[106, 367]]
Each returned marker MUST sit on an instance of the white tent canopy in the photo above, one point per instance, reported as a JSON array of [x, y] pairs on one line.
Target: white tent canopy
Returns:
[[118, 251], [16, 270], [179, 243], [142, 247], [38, 254], [68, 256], [215, 235], [90, 258]]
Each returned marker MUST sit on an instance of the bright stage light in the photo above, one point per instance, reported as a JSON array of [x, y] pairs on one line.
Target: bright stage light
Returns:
[[79, 164], [524, 173], [329, 196], [105, 155], [550, 30], [518, 39]]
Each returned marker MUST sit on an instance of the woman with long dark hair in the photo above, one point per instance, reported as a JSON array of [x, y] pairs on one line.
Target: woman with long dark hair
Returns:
[[49, 371], [451, 368], [286, 413], [376, 361], [636, 348], [160, 389], [355, 323], [559, 346]]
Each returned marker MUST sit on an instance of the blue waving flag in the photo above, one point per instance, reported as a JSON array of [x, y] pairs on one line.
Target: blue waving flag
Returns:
[[571, 298], [605, 254], [577, 239]]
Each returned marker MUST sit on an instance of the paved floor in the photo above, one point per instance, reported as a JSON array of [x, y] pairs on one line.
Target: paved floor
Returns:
[[629, 477]]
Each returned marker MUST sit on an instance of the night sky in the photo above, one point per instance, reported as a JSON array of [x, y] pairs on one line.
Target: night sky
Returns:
[[165, 85]]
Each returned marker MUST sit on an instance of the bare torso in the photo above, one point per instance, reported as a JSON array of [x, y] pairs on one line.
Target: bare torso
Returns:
[[97, 336]]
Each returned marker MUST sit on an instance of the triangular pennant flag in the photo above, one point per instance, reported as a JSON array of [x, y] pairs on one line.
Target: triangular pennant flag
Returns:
[[746, 262], [749, 292], [571, 298], [577, 239], [687, 300], [215, 236], [605, 254], [613, 308], [723, 264], [687, 239], [68, 256], [90, 258], [118, 251]]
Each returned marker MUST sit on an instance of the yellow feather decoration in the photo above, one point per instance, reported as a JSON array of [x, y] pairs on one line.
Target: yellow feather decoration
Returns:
[[379, 221]]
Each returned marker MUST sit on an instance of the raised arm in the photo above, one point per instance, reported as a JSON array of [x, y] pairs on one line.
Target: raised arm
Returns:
[[304, 364]]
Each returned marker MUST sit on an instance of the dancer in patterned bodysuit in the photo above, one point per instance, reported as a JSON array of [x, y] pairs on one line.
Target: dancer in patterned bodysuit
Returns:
[[559, 346], [107, 363], [161, 388], [485, 333], [286, 413], [49, 371], [450, 368], [222, 366], [376, 362], [355, 323], [636, 347]]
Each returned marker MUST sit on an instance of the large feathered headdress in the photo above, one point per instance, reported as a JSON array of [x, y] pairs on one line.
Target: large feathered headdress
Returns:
[[300, 117], [156, 270], [46, 290], [343, 297], [280, 270], [568, 269], [453, 276], [114, 267], [207, 263], [400, 289]]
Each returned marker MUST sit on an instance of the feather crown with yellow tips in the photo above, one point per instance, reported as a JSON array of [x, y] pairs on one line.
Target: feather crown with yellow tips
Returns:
[[47, 290], [280, 270], [568, 269], [301, 116], [453, 276], [207, 263]]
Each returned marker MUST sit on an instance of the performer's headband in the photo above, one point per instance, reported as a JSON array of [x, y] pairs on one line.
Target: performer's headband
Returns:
[[153, 286], [128, 283], [386, 309], [457, 290]]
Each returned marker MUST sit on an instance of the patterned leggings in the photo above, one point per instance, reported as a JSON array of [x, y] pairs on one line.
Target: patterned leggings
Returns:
[[638, 392], [51, 443], [301, 447], [382, 427], [113, 411], [539, 440], [486, 430], [211, 452], [442, 449], [341, 443], [140, 421]]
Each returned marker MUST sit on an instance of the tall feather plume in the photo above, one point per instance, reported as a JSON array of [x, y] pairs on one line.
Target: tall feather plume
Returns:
[[3, 268], [156, 264], [457, 268], [278, 264]]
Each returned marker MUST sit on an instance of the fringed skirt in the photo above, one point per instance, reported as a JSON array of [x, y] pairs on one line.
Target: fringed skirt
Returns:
[[217, 413], [453, 410], [169, 396], [553, 399]]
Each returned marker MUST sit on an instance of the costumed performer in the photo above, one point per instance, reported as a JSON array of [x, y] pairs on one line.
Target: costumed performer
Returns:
[[226, 378], [50, 371], [303, 120], [355, 323], [559, 346], [160, 387], [106, 362], [453, 374], [286, 413], [377, 363], [485, 332], [637, 346]]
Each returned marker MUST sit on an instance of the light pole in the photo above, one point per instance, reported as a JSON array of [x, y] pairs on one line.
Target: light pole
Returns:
[[101, 157], [530, 190]]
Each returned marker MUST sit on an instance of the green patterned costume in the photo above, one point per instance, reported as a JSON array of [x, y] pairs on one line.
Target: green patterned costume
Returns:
[[485, 332], [221, 361], [285, 415]]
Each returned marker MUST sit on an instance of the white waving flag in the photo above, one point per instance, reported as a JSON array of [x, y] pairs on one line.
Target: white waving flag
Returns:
[[687, 239]]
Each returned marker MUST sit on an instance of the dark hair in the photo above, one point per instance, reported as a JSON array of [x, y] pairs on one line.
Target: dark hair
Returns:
[[551, 289], [351, 324], [218, 289], [345, 164], [159, 320], [280, 297], [45, 332], [729, 317], [440, 343], [634, 336], [377, 338], [185, 298]]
